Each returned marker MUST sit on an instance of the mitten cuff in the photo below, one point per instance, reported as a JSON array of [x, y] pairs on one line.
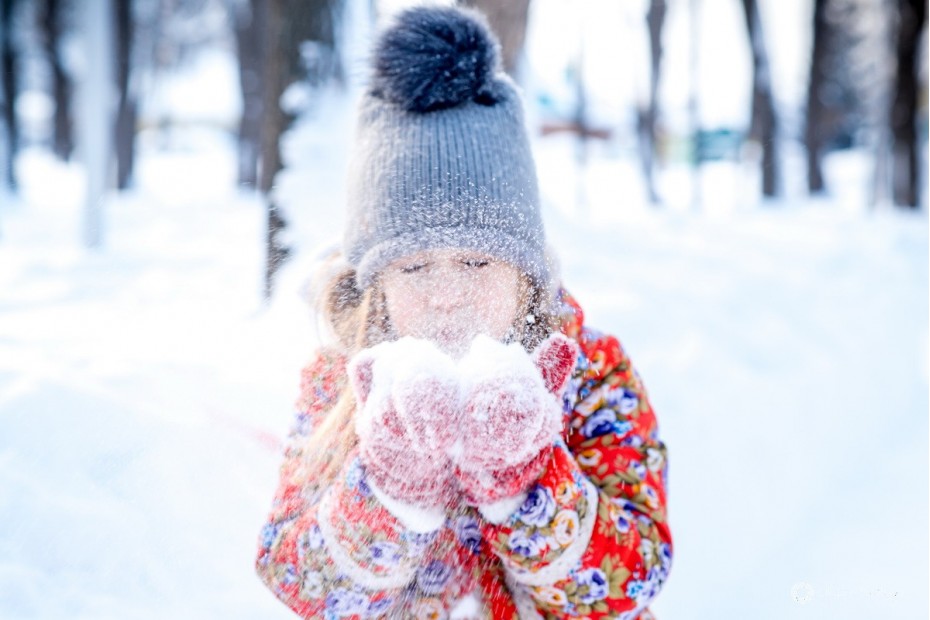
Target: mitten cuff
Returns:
[[415, 518], [499, 511]]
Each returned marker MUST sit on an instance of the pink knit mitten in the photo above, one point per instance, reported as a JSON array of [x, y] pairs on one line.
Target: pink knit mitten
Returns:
[[512, 416], [407, 396]]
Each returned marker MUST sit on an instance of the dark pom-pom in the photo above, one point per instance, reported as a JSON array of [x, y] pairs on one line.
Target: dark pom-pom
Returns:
[[434, 58]]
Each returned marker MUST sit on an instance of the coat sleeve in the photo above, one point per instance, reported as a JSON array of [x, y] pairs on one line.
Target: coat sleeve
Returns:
[[591, 538], [333, 551]]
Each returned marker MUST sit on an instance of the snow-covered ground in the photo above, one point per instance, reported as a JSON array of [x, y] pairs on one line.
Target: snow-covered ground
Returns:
[[135, 385], [144, 387]]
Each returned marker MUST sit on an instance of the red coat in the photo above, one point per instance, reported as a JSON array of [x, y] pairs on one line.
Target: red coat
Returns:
[[591, 540]]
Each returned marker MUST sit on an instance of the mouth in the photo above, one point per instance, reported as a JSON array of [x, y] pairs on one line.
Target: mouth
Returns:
[[453, 341]]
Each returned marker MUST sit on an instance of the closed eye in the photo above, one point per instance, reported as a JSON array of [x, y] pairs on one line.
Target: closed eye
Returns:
[[476, 262], [412, 268]]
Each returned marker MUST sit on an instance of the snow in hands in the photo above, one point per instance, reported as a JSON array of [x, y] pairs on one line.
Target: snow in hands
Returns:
[[433, 430]]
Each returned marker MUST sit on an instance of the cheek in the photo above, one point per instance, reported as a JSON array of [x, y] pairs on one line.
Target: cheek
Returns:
[[405, 313], [503, 305]]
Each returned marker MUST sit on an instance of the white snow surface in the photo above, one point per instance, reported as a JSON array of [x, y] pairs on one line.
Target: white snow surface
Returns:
[[145, 389], [488, 358]]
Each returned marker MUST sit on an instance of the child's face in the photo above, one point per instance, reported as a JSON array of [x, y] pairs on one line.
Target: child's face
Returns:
[[451, 296]]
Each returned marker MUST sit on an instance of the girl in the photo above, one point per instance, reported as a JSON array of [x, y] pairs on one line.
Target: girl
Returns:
[[467, 447]]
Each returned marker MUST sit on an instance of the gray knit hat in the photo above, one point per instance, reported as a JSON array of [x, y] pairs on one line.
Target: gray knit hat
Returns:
[[441, 157]]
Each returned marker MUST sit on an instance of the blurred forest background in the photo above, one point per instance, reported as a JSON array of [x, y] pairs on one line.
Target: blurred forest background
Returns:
[[86, 81]]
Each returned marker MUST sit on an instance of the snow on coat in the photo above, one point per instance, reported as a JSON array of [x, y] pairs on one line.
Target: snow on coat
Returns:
[[591, 540]]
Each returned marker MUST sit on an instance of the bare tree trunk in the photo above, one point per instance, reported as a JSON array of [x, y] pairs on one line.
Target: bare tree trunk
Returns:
[[815, 133], [763, 127], [288, 24], [693, 104], [880, 111], [127, 109], [95, 115], [507, 19], [273, 124], [581, 122], [655, 19], [250, 31], [62, 142], [912, 16], [8, 71]]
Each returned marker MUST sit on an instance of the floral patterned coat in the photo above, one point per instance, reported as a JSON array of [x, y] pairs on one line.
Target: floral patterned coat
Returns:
[[590, 541]]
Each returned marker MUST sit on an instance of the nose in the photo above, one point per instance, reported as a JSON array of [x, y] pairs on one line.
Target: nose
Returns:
[[450, 290]]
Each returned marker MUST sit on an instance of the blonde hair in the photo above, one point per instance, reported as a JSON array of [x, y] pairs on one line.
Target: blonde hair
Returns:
[[357, 319]]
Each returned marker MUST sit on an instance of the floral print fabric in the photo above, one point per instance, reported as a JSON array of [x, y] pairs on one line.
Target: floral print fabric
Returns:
[[590, 541]]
